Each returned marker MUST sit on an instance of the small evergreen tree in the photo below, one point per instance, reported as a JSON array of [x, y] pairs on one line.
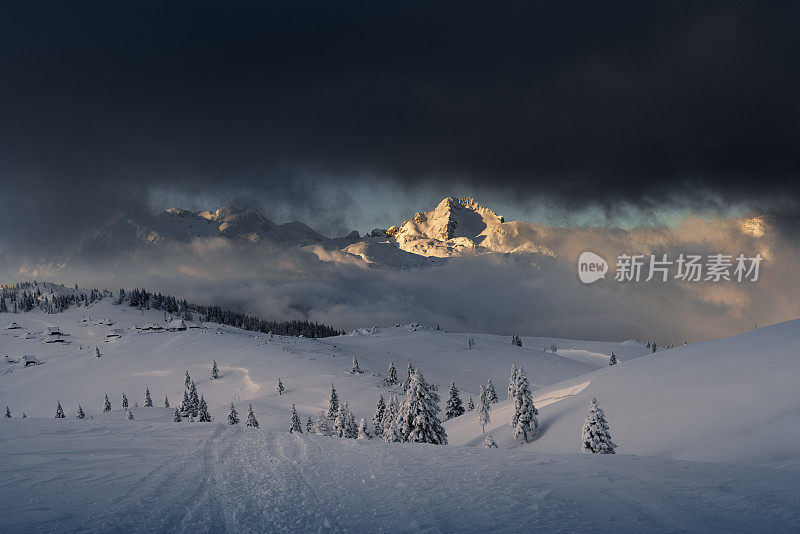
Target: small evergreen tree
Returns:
[[377, 419], [124, 401], [470, 343], [184, 405], [355, 369], [407, 381], [202, 411], [418, 418], [279, 387], [194, 400], [524, 419], [295, 425], [107, 404], [128, 415], [489, 442], [512, 382], [214, 370], [176, 417], [470, 404], [483, 408], [166, 402], [454, 406], [342, 426], [321, 427], [596, 437], [148, 401], [186, 379], [391, 376], [490, 392], [81, 414], [309, 426], [8, 413], [233, 416], [333, 404], [613, 360], [97, 353], [363, 433], [251, 418], [391, 426]]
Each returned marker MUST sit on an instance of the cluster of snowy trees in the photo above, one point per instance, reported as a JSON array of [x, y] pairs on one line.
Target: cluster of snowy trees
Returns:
[[141, 298], [192, 406], [47, 297], [515, 340]]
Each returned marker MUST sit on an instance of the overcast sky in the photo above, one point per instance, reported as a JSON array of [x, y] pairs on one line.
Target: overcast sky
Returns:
[[347, 115], [381, 109]]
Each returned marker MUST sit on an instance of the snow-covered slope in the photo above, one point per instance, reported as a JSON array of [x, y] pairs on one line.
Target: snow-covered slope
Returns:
[[731, 400], [728, 401], [143, 476]]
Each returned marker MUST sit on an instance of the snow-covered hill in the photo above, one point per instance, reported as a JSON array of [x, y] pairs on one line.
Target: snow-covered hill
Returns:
[[732, 401]]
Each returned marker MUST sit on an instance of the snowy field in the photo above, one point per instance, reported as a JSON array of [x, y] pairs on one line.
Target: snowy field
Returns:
[[708, 434]]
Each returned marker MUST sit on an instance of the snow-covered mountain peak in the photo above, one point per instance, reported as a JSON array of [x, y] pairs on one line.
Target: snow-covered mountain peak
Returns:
[[456, 226]]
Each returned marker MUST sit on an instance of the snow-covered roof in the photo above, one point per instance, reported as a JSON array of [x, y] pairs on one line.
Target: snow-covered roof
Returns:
[[12, 325], [176, 324]]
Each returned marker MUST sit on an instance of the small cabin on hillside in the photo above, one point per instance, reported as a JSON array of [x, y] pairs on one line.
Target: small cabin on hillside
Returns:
[[13, 326], [55, 331], [176, 325], [30, 360]]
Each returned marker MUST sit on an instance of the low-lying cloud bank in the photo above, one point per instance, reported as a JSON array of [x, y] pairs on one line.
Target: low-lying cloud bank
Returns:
[[500, 293]]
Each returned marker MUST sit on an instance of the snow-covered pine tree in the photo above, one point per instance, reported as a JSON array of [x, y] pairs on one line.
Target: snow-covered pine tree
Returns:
[[186, 379], [391, 376], [8, 413], [97, 353], [106, 404], [363, 433], [309, 426], [470, 404], [214, 370], [352, 426], [166, 402], [596, 437], [454, 406], [129, 415], [470, 343], [176, 417], [377, 418], [391, 426], [489, 442], [279, 387], [194, 400], [124, 401], [251, 420], [233, 416], [295, 425], [613, 360], [184, 405], [321, 427], [418, 418], [355, 369], [59, 411], [202, 411], [512, 382], [490, 392], [148, 401], [3, 306], [333, 404], [524, 418], [81, 413], [407, 381], [484, 407]]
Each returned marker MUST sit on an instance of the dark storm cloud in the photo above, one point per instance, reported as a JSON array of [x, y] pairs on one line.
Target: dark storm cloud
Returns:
[[587, 103]]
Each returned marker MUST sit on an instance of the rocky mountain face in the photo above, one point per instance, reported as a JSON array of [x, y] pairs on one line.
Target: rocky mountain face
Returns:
[[456, 227]]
